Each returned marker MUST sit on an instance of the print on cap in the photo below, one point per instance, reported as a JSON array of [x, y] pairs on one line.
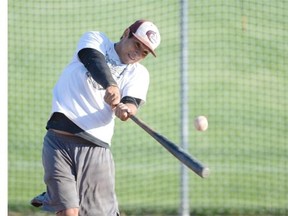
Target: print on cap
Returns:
[[152, 36]]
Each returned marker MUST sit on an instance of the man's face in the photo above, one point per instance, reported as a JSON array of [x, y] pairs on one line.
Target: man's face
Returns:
[[132, 50]]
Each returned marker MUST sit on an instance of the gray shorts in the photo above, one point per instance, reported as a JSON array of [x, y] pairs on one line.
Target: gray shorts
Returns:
[[78, 174]]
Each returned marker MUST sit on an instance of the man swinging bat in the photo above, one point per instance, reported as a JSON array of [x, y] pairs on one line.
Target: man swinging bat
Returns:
[[104, 80]]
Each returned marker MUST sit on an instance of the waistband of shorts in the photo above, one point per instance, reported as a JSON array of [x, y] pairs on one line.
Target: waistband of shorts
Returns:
[[67, 135]]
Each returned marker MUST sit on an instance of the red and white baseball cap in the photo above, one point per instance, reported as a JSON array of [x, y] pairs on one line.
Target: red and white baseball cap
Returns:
[[146, 32]]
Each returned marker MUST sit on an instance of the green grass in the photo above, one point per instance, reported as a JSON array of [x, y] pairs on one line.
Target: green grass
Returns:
[[236, 78]]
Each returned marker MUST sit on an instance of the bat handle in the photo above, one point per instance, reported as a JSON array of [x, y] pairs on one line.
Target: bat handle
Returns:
[[132, 117]]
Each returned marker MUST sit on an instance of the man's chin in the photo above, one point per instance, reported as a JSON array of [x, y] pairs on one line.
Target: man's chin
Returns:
[[128, 61]]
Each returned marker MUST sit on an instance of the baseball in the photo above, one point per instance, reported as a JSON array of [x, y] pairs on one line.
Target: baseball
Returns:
[[201, 123]]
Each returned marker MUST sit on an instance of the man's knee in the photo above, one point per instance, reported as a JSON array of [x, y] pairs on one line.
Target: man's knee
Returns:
[[68, 212]]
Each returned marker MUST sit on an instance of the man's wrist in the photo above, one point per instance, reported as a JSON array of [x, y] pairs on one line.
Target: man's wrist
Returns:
[[112, 84]]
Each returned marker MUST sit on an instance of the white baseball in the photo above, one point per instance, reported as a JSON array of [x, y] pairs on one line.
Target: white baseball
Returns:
[[201, 123]]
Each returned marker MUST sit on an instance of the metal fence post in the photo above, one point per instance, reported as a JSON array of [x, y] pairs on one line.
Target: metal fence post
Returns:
[[184, 187]]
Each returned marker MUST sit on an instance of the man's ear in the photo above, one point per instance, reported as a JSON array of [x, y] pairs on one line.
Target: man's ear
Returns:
[[126, 33]]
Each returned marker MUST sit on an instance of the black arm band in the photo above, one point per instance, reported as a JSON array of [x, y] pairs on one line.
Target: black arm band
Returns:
[[132, 100], [95, 63]]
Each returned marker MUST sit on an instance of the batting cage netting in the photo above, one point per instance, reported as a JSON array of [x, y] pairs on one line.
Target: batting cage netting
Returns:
[[237, 56]]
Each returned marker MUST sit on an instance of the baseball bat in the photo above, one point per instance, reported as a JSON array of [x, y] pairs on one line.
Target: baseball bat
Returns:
[[190, 161]]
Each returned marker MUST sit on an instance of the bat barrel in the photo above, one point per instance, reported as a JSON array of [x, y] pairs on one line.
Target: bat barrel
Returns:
[[187, 159], [175, 150], [205, 172]]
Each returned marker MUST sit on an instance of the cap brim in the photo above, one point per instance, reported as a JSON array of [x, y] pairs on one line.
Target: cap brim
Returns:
[[143, 41]]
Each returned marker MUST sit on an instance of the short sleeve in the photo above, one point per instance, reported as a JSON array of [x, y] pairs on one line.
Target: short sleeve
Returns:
[[138, 84], [92, 39]]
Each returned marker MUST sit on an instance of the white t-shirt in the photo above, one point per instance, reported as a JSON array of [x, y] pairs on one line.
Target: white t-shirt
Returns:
[[80, 98]]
